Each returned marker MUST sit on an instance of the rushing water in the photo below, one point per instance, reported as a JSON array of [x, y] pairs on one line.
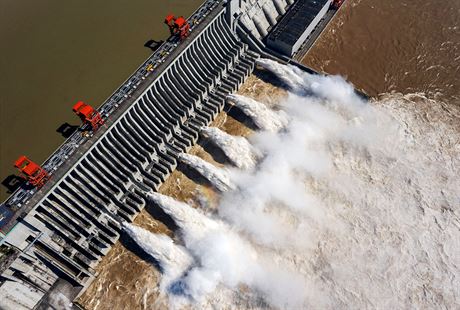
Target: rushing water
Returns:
[[173, 259], [263, 117], [237, 149], [352, 205], [218, 177], [369, 218], [191, 221]]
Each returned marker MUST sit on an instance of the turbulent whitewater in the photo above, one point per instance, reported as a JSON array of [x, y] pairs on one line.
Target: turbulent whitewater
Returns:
[[263, 116], [173, 259], [290, 75], [191, 221], [218, 177], [352, 205]]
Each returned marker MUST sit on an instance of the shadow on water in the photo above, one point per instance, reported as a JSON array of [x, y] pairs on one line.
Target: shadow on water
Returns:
[[193, 175], [153, 45], [133, 247], [13, 182], [179, 288], [66, 130]]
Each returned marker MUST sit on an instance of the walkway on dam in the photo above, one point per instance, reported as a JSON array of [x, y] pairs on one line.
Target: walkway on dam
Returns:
[[107, 179]]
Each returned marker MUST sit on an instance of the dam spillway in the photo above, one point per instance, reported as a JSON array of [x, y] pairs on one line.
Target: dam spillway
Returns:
[[63, 230]]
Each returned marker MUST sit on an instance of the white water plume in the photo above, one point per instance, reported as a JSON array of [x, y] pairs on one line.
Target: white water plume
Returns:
[[225, 258], [237, 149], [382, 186], [173, 259], [352, 206], [321, 86], [264, 117], [218, 177], [190, 220], [214, 245], [290, 75]]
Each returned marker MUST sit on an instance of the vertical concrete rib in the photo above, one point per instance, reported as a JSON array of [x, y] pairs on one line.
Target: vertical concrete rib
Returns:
[[139, 151]]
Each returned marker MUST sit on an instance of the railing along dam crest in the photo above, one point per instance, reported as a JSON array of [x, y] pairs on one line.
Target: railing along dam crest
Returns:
[[57, 235], [82, 212]]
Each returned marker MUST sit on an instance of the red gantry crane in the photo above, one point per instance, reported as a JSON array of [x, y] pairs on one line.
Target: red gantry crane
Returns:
[[336, 4], [88, 115], [36, 175], [178, 25]]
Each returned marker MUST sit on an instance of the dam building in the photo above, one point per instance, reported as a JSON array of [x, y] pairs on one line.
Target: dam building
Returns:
[[57, 227], [299, 22]]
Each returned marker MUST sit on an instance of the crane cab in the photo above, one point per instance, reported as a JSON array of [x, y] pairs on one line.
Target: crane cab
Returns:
[[35, 174], [88, 115], [178, 25]]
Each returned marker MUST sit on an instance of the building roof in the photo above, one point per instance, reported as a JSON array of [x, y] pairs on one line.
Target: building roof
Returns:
[[297, 19]]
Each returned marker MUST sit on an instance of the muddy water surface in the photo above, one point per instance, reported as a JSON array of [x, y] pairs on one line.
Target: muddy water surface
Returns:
[[394, 45], [380, 46], [54, 53]]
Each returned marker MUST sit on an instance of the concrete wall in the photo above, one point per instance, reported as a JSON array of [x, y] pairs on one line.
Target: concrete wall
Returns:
[[290, 50], [310, 28], [76, 223], [259, 16], [78, 220]]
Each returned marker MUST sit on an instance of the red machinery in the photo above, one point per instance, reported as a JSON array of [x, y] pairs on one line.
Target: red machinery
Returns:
[[36, 175], [177, 26], [336, 4], [88, 114]]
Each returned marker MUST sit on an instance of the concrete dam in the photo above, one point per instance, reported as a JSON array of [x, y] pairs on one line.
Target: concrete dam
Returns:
[[54, 236]]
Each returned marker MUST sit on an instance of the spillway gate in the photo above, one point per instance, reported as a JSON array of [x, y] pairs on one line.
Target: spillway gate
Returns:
[[66, 227]]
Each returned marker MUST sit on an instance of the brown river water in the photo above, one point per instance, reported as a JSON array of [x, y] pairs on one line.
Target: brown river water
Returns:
[[54, 53], [379, 46], [394, 46]]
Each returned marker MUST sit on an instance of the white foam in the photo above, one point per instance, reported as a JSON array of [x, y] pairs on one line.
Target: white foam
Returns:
[[192, 221], [290, 75], [353, 206], [331, 87], [173, 259], [219, 177], [222, 256], [263, 117]]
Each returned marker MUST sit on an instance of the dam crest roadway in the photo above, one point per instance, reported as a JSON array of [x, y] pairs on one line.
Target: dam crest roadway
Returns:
[[57, 234]]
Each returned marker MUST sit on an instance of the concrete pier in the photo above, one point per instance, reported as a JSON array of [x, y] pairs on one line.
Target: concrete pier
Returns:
[[57, 235], [75, 223], [291, 32]]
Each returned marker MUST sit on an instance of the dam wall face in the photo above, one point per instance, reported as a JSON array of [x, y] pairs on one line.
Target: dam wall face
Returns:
[[258, 16], [76, 222], [291, 32], [63, 230]]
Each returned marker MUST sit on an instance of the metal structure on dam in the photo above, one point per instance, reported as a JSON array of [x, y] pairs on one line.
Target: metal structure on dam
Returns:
[[62, 230]]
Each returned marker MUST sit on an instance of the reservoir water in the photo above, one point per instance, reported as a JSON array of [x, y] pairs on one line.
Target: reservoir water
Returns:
[[54, 53], [400, 211]]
